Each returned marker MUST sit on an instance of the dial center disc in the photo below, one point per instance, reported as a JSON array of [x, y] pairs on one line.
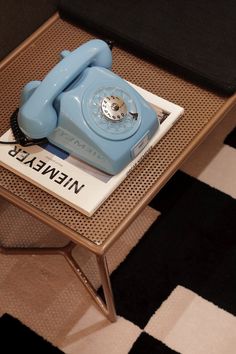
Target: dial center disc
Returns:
[[114, 108]]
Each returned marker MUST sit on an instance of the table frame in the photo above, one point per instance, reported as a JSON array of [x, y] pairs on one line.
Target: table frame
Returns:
[[222, 105]]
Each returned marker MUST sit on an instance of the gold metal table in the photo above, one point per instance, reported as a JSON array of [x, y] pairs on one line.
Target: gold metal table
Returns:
[[203, 110]]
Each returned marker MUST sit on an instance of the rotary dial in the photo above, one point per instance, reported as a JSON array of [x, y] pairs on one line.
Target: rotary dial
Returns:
[[111, 113], [114, 108]]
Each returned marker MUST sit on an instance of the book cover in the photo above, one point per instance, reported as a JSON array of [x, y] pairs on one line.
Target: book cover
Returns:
[[71, 180]]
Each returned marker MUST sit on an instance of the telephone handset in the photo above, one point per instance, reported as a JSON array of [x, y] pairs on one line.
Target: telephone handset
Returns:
[[87, 110]]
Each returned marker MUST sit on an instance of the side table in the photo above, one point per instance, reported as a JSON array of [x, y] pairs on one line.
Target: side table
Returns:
[[203, 110]]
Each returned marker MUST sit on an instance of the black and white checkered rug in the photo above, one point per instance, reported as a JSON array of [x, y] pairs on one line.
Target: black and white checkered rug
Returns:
[[185, 264], [178, 285]]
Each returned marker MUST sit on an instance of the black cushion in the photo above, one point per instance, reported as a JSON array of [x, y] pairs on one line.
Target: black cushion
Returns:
[[197, 39], [19, 19]]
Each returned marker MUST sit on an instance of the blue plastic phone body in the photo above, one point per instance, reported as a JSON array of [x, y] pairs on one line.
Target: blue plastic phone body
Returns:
[[87, 110]]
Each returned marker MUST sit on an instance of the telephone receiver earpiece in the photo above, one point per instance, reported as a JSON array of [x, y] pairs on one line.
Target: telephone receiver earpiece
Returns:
[[37, 117]]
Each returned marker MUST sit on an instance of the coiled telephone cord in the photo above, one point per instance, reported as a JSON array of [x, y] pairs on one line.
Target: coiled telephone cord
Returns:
[[20, 137]]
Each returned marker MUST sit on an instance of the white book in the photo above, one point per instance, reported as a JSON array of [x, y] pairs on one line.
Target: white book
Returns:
[[68, 178]]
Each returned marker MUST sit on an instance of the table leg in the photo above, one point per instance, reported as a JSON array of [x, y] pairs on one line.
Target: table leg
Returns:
[[106, 285], [107, 308]]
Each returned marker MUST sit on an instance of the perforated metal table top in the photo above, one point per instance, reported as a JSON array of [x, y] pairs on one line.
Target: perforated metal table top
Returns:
[[98, 232]]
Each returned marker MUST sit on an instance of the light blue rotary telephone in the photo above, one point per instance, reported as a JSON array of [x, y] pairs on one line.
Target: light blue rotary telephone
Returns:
[[88, 111]]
